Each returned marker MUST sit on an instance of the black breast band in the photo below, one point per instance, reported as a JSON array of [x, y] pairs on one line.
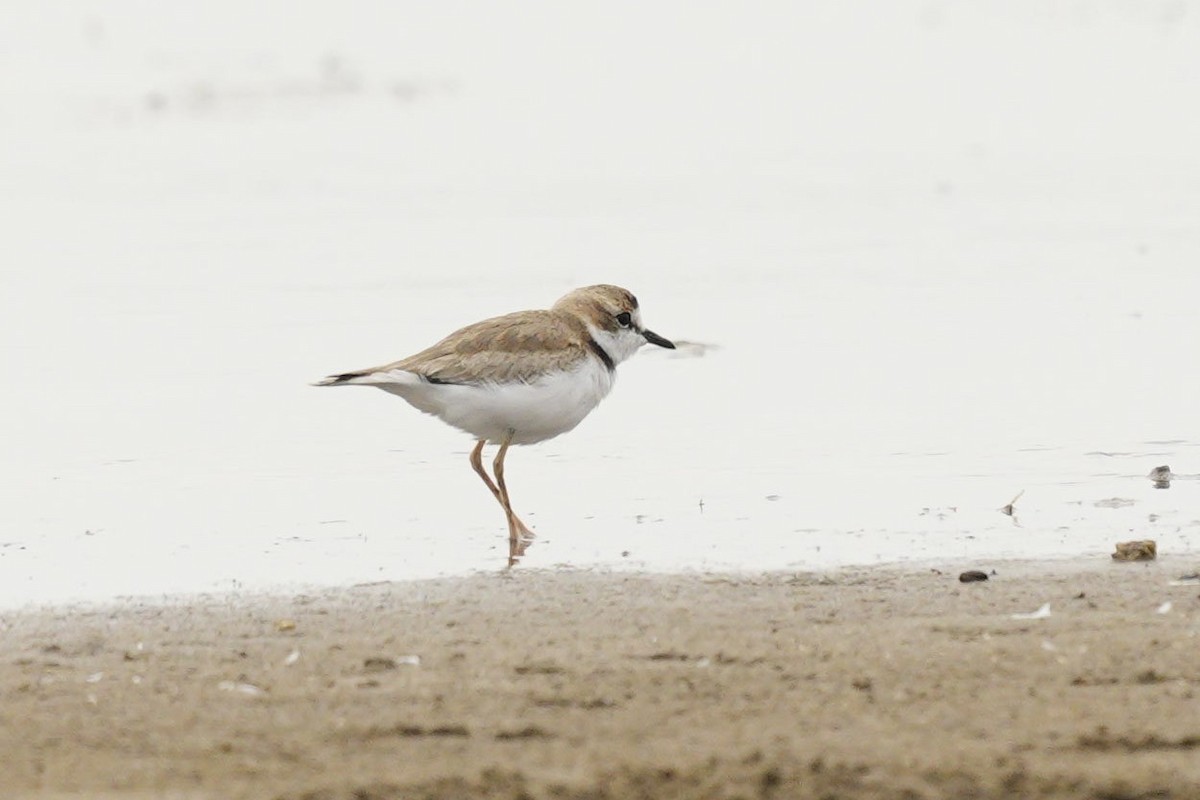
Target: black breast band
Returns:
[[601, 353]]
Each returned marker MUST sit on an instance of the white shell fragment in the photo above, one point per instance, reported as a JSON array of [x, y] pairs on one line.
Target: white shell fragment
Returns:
[[1041, 613], [241, 688]]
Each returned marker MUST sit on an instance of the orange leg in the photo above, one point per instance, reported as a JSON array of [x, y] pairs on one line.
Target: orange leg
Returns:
[[517, 531], [516, 528], [477, 465]]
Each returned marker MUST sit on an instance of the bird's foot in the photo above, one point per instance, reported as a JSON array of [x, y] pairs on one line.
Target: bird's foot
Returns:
[[520, 537], [522, 531], [516, 550]]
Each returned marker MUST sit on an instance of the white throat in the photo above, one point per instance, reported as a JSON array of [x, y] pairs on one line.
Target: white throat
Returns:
[[620, 344]]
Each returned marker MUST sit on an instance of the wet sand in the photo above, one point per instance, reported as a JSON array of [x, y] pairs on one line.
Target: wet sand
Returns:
[[854, 684]]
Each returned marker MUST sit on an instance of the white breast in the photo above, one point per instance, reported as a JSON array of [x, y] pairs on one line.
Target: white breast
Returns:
[[536, 411]]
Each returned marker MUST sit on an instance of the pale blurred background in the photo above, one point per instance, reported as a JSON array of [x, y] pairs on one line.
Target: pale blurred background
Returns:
[[948, 252]]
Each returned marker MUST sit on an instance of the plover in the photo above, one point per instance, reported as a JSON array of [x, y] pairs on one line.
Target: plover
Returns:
[[520, 378]]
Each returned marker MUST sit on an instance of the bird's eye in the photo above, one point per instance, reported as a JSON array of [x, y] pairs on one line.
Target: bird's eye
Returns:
[[624, 319]]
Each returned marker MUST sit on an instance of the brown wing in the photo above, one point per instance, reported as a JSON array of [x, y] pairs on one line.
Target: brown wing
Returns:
[[514, 347]]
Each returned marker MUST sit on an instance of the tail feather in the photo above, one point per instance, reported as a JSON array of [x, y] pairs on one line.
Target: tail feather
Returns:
[[345, 377], [374, 377]]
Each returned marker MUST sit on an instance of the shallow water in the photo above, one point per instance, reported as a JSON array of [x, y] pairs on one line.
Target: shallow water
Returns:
[[928, 293]]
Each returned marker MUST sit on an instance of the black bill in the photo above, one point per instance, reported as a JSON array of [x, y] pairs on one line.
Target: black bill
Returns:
[[654, 338]]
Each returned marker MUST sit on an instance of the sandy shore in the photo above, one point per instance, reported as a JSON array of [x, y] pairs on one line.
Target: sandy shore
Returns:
[[856, 684]]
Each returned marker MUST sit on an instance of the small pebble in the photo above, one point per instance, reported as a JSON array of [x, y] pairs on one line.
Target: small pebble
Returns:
[[1138, 550], [1161, 476]]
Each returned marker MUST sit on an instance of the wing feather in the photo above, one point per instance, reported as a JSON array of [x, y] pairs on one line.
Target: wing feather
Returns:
[[515, 347]]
